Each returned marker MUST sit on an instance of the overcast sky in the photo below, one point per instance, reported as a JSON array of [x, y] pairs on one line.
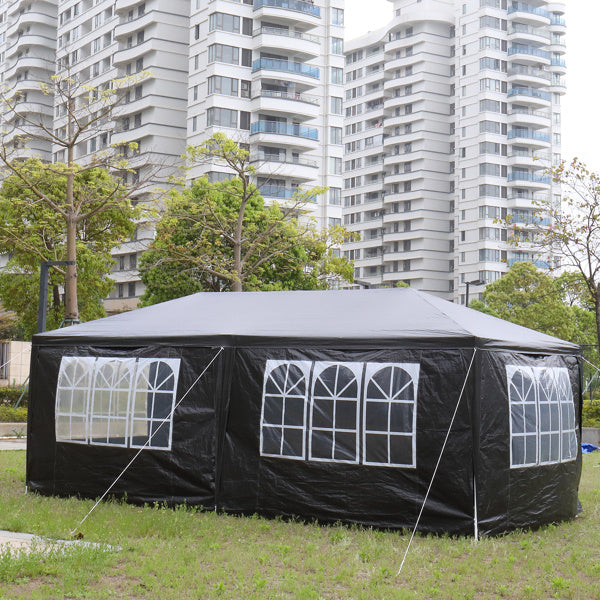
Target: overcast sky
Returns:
[[580, 106]]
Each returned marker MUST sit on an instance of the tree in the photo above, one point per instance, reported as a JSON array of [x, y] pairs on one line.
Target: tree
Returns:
[[527, 296], [31, 231], [221, 236], [86, 114], [575, 230]]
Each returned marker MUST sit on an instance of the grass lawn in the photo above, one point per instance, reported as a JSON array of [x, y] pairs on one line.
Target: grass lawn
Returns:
[[183, 553]]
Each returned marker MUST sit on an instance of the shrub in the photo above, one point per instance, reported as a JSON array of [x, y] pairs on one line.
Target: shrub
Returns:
[[13, 415], [9, 396], [591, 414]]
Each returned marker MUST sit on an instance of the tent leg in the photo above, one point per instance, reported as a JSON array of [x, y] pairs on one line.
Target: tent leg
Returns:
[[475, 518]]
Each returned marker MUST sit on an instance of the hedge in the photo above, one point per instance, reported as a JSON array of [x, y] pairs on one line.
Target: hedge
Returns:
[[13, 415]]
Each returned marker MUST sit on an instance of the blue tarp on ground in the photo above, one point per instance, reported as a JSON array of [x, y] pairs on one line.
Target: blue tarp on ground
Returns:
[[587, 448]]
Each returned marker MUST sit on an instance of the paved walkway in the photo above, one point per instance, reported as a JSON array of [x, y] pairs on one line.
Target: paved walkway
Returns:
[[13, 443]]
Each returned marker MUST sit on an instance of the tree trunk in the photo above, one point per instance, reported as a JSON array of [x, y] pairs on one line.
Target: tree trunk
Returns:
[[597, 310], [71, 306]]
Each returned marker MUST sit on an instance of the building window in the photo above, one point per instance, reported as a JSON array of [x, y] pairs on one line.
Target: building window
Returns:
[[337, 75], [542, 426], [336, 105], [221, 85], [223, 53], [335, 196], [116, 401], [223, 117], [337, 45], [337, 16], [224, 22], [335, 135]]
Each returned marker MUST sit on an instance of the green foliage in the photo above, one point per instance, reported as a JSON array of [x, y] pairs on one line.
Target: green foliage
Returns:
[[8, 414], [221, 237], [590, 414], [32, 231], [529, 297], [10, 395], [212, 555]]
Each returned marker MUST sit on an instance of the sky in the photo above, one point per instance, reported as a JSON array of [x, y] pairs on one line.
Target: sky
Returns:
[[580, 105]]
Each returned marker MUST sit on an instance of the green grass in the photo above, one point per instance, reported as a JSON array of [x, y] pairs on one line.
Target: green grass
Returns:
[[184, 553]]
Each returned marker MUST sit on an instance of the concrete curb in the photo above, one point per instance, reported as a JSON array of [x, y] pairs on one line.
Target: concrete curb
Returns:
[[591, 435], [13, 429]]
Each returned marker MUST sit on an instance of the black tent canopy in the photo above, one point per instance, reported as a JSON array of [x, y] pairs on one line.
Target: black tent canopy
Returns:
[[328, 405]]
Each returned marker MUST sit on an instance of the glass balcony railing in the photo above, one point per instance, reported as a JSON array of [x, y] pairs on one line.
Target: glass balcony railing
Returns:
[[297, 35], [528, 135], [262, 157], [518, 28], [558, 21], [558, 62], [525, 70], [275, 64], [532, 10], [532, 177], [529, 92], [276, 191], [297, 5], [529, 50], [288, 96], [530, 220], [540, 264], [309, 133]]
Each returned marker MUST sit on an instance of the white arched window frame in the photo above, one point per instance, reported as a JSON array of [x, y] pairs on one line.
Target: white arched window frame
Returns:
[[390, 414], [567, 416], [548, 416], [522, 396], [110, 401], [72, 397], [335, 412], [284, 406], [115, 401], [152, 403], [542, 416]]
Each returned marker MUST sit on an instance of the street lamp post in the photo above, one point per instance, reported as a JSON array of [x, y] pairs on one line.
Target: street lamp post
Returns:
[[469, 283], [44, 266]]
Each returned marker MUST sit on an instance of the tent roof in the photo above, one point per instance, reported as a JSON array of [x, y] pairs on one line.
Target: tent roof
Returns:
[[368, 317]]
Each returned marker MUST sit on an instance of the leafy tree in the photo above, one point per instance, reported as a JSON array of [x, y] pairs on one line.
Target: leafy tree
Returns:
[[86, 113], [221, 236], [527, 296], [31, 231], [575, 229], [194, 251]]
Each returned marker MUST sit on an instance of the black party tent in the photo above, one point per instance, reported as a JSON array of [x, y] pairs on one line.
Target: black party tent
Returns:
[[328, 405]]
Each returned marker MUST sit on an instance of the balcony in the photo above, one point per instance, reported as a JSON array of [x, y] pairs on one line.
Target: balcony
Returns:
[[526, 33], [529, 14], [530, 220], [530, 178], [302, 11], [529, 95], [276, 127], [529, 135], [296, 42], [282, 167], [298, 106], [531, 54], [285, 66], [540, 264]]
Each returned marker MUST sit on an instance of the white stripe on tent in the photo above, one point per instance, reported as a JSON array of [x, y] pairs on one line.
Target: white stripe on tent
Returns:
[[110, 487], [438, 464]]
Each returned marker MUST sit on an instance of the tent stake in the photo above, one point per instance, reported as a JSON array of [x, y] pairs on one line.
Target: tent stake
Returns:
[[438, 462]]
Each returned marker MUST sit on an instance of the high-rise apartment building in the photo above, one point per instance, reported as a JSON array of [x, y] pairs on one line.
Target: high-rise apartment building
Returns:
[[267, 73], [452, 117]]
